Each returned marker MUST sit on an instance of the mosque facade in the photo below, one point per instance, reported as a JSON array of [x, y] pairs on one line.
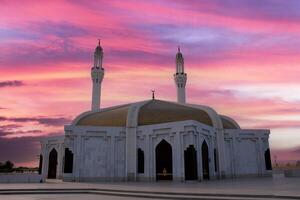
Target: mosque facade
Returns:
[[153, 140]]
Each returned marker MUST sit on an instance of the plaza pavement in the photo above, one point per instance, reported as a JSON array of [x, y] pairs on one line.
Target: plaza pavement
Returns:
[[252, 188]]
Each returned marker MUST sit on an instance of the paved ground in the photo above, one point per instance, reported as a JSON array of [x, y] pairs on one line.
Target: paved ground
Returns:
[[65, 197], [288, 187]]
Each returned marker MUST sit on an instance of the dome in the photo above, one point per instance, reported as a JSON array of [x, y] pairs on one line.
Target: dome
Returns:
[[150, 112], [158, 111], [115, 116], [229, 123], [153, 112]]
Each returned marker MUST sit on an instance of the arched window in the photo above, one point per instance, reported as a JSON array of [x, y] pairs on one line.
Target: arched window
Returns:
[[205, 160], [215, 160], [68, 161], [141, 161], [268, 160]]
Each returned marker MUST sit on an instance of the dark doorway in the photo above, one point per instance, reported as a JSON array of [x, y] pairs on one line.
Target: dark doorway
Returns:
[[52, 164], [40, 164], [205, 161], [68, 161], [215, 160], [141, 161], [268, 160], [190, 163], [163, 155]]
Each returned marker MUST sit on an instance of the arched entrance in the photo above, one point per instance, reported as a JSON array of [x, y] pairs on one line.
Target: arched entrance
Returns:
[[163, 155], [141, 161], [68, 161], [190, 163], [268, 160], [52, 164], [205, 161]]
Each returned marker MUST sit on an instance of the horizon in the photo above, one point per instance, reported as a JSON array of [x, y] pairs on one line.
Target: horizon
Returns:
[[241, 58]]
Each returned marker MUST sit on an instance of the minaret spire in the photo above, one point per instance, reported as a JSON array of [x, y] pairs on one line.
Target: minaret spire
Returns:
[[180, 77], [97, 75]]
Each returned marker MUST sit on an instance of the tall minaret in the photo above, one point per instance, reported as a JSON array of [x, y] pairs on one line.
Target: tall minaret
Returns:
[[180, 77], [97, 74]]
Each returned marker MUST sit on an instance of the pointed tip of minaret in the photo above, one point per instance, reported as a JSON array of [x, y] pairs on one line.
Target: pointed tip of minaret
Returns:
[[178, 48], [99, 42]]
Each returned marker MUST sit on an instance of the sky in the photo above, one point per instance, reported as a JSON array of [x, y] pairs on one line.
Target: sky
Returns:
[[242, 58]]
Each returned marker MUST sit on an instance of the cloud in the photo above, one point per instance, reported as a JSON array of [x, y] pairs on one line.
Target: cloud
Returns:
[[54, 51], [18, 133], [286, 154], [268, 10], [53, 43], [213, 92], [297, 150], [14, 83], [47, 121], [62, 29], [9, 127], [19, 149]]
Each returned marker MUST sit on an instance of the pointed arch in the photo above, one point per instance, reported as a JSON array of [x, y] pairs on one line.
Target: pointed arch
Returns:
[[205, 160], [164, 161], [52, 167], [190, 163]]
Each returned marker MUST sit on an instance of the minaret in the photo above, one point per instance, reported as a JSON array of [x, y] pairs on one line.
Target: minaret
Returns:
[[97, 74], [180, 77]]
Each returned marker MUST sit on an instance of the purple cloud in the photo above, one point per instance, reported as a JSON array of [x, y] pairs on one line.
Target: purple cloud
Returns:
[[296, 150], [247, 9], [23, 133], [14, 83], [47, 121], [20, 149]]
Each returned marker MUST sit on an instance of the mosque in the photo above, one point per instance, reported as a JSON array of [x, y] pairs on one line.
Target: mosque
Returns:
[[153, 140]]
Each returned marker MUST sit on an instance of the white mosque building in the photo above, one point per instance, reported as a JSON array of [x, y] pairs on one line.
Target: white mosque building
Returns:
[[153, 140]]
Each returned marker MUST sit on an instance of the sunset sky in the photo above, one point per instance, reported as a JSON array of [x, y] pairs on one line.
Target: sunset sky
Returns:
[[242, 58]]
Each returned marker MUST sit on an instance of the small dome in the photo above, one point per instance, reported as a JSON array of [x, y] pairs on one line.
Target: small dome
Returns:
[[229, 123]]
